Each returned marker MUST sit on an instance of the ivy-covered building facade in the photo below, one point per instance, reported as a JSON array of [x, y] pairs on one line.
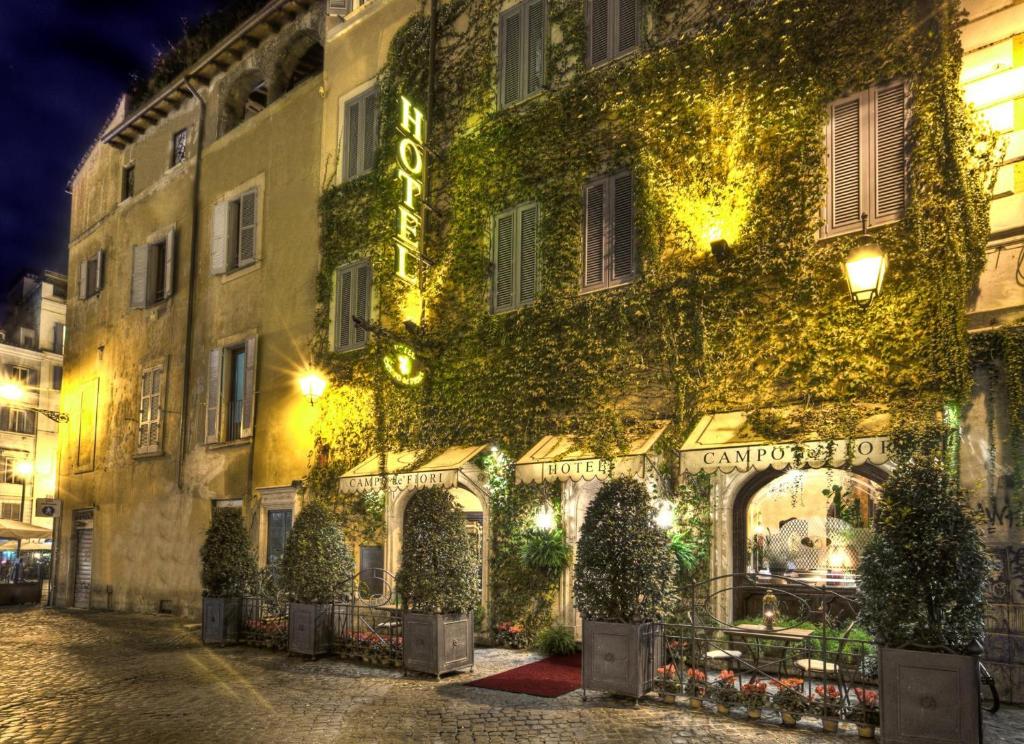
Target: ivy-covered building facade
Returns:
[[563, 239]]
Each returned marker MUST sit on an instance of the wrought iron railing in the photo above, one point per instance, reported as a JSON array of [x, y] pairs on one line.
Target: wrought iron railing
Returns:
[[368, 622], [264, 622]]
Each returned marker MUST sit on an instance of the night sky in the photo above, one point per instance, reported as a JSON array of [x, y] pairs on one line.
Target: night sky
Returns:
[[63, 64]]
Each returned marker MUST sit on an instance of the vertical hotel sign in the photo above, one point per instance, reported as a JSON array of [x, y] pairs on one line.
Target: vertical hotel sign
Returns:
[[411, 171]]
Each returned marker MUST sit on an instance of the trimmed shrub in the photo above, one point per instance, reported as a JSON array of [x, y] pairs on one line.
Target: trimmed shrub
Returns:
[[227, 555], [625, 566], [546, 552], [439, 564], [922, 573], [316, 567], [556, 641]]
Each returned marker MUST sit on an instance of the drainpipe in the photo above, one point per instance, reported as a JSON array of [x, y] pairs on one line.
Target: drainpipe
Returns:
[[192, 278]]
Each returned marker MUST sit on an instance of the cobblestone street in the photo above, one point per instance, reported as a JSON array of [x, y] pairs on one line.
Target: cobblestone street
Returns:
[[97, 677]]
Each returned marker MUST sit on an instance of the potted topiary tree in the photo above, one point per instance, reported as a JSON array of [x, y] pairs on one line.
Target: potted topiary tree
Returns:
[[316, 568], [624, 572], [438, 585], [922, 577], [228, 572]]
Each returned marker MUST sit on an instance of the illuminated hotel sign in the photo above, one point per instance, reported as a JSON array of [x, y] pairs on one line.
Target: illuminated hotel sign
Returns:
[[412, 166], [403, 365]]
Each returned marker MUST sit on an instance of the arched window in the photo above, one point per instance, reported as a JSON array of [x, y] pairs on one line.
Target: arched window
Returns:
[[243, 99], [309, 64]]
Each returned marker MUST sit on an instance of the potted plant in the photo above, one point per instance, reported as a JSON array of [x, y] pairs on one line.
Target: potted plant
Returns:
[[316, 568], [755, 697], [696, 687], [723, 691], [921, 579], [228, 573], [668, 682], [865, 712], [624, 574], [438, 584], [827, 705], [790, 700]]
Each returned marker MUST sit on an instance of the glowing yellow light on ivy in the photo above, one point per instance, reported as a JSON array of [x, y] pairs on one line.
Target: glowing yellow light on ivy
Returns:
[[312, 384], [403, 365], [865, 270]]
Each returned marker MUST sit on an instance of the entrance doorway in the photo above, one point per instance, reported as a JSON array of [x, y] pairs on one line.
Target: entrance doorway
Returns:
[[83, 567]]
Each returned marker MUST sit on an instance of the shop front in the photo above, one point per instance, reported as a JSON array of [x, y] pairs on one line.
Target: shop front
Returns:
[[786, 513], [558, 459]]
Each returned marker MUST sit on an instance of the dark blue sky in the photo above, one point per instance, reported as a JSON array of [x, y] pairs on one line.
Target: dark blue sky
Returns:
[[63, 64]]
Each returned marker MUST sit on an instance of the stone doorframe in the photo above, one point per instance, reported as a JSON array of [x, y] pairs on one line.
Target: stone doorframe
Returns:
[[275, 497]]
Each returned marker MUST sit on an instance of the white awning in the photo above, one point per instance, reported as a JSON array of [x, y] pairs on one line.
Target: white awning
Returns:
[[400, 471], [12, 529], [556, 458], [725, 443]]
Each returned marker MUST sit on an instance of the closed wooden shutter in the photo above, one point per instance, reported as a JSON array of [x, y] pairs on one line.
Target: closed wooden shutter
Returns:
[[370, 134], [169, 264], [214, 391], [845, 173], [511, 56], [140, 275], [83, 569], [247, 228], [599, 29], [100, 269], [144, 412], [504, 262], [623, 260], [249, 395], [83, 279], [527, 253], [352, 139], [362, 307], [627, 25], [536, 46], [594, 234], [343, 309], [889, 129], [219, 242]]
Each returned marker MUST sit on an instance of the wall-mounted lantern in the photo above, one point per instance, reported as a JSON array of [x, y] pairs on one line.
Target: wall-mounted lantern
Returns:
[[666, 516], [312, 384], [864, 269], [544, 519]]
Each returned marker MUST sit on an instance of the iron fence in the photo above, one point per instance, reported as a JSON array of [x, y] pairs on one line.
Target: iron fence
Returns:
[[264, 622]]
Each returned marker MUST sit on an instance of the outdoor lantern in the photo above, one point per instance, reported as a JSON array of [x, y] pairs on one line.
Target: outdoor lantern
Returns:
[[666, 515], [12, 392], [544, 519], [312, 386], [23, 469], [864, 270], [769, 609]]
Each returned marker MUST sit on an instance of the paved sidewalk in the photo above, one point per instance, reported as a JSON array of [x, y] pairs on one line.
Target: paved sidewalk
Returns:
[[102, 677]]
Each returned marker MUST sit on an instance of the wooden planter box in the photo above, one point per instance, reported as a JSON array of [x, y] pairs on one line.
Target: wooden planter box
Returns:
[[621, 658], [929, 697], [437, 643], [309, 628], [222, 619]]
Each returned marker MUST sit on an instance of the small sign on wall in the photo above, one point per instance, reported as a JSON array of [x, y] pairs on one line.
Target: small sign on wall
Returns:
[[48, 508]]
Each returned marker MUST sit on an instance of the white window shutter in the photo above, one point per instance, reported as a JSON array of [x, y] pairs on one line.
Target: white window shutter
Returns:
[[599, 17], [623, 248], [83, 279], [889, 174], [169, 263], [143, 412], [511, 43], [844, 199], [247, 228], [156, 408], [219, 244], [362, 302], [594, 233], [627, 25], [140, 275], [214, 392], [527, 254], [536, 47], [249, 399], [503, 293]]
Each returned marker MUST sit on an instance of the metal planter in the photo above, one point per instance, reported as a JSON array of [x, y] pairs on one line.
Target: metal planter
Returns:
[[621, 658], [437, 643], [222, 619], [309, 628], [929, 697]]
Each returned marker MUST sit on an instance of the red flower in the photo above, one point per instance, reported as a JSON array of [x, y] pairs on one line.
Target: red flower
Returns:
[[696, 674], [830, 693]]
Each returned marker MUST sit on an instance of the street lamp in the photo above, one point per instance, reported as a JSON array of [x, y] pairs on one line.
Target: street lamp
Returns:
[[864, 269], [13, 394], [312, 385]]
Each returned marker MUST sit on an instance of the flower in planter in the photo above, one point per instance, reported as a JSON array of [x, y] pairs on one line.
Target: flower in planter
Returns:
[[510, 635], [866, 709], [827, 701], [789, 697], [668, 679], [723, 690], [755, 694]]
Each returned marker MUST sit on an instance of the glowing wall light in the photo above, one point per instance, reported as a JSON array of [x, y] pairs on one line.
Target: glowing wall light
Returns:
[[312, 384], [864, 270]]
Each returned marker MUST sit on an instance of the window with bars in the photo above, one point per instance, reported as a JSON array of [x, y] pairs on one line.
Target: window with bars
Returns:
[[522, 43], [609, 245], [179, 147], [153, 272], [231, 392], [235, 233], [866, 144], [360, 133], [352, 298], [90, 275], [514, 270], [613, 29], [17, 420], [151, 410]]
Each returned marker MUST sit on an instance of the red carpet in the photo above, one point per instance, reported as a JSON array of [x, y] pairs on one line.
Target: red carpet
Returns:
[[550, 677]]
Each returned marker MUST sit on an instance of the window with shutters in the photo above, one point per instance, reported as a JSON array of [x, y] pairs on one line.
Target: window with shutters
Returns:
[[231, 392], [90, 275], [609, 244], [153, 272], [353, 295], [59, 331], [360, 133], [522, 45], [58, 378], [235, 232], [614, 28], [514, 274], [866, 145], [151, 410]]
